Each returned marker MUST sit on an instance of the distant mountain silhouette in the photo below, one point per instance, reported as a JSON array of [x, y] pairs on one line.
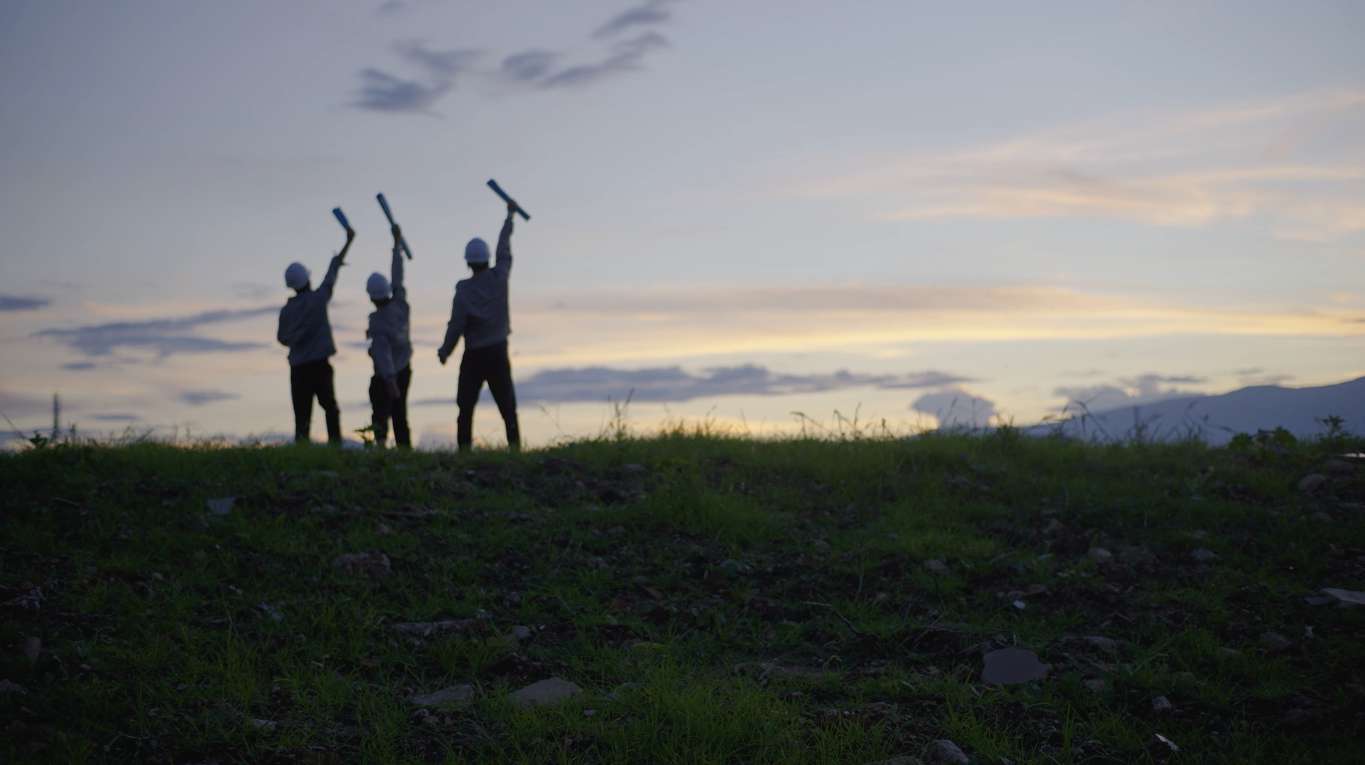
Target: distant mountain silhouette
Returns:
[[1216, 419]]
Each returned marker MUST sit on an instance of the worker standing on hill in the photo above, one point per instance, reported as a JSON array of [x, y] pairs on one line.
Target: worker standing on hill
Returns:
[[480, 314], [391, 349], [306, 330]]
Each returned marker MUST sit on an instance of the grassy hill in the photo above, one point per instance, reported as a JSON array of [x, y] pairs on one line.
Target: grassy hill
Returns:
[[716, 600]]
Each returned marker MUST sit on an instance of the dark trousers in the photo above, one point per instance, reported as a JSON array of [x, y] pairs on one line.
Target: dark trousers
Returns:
[[386, 407], [479, 365], [306, 381]]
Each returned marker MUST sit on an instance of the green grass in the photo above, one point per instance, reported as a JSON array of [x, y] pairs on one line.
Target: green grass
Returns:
[[719, 600]]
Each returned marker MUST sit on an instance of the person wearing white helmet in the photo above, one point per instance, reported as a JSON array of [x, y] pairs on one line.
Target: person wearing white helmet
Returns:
[[480, 315], [306, 330], [391, 349]]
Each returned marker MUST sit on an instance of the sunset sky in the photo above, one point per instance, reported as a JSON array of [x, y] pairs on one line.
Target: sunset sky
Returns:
[[911, 211]]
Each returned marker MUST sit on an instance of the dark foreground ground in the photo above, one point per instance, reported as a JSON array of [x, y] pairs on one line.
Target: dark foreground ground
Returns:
[[715, 600]]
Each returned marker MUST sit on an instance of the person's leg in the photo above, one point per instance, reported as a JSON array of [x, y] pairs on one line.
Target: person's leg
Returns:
[[327, 399], [302, 394], [466, 397], [379, 410], [505, 394], [401, 435]]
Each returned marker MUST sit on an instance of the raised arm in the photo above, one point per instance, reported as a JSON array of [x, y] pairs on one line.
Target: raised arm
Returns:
[[504, 254], [396, 270], [454, 329], [329, 281]]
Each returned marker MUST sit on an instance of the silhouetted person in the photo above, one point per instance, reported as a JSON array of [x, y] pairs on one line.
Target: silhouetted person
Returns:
[[304, 327], [391, 349], [480, 314]]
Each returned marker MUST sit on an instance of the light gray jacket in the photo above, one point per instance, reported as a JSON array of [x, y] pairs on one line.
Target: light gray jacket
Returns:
[[390, 341], [304, 325], [480, 312]]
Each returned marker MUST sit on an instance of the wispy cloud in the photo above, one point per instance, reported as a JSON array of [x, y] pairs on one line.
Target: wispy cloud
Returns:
[[674, 384], [624, 56], [1181, 169], [529, 65], [384, 92], [620, 45], [116, 417], [166, 337], [23, 302], [205, 397], [1132, 391], [648, 14]]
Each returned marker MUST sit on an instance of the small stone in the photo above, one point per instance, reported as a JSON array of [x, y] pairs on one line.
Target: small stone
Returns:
[[1097, 684], [455, 694], [430, 629], [265, 726], [550, 691], [1203, 555], [945, 752], [383, 529], [1161, 705], [1339, 467], [270, 611], [1012, 666], [821, 546], [521, 633], [590, 713], [1312, 483], [1345, 597], [1275, 642], [1054, 526], [221, 505], [936, 566], [1108, 645], [370, 563], [1019, 605], [33, 647], [1100, 555]]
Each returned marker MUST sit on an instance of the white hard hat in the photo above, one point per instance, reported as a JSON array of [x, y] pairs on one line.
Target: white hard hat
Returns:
[[476, 251], [295, 276], [378, 287]]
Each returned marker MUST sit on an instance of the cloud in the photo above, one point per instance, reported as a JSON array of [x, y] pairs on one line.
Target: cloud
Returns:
[[383, 92], [116, 417], [204, 397], [529, 65], [22, 405], [23, 302], [648, 14], [1190, 168], [1132, 391], [392, 8], [624, 56], [166, 337], [955, 407], [80, 366], [674, 384]]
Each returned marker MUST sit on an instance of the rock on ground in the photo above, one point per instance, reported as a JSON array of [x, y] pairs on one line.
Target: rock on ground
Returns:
[[1204, 555], [1100, 555], [369, 563], [945, 752], [221, 505], [550, 691], [1011, 666], [1274, 641], [1346, 597], [428, 629], [1161, 704], [935, 566], [455, 694], [1312, 483]]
